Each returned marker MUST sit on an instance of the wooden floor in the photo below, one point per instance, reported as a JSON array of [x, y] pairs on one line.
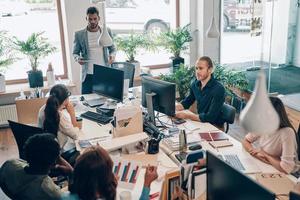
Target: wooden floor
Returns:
[[9, 149]]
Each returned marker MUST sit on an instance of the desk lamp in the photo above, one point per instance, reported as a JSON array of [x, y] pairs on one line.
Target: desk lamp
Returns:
[[104, 39], [259, 116]]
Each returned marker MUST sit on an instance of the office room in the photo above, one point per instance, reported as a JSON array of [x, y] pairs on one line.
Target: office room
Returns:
[[149, 99]]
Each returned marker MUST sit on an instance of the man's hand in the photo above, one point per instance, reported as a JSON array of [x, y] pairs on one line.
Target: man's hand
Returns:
[[150, 175], [179, 107], [111, 59], [182, 115]]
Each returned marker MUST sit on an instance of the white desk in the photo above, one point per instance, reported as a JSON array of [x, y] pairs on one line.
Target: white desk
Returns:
[[91, 129]]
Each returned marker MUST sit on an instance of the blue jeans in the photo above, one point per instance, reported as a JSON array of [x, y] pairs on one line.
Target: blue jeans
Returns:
[[87, 84]]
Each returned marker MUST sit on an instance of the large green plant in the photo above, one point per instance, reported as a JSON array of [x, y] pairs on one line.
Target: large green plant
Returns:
[[7, 56], [231, 78], [182, 77], [35, 47], [176, 40], [129, 44]]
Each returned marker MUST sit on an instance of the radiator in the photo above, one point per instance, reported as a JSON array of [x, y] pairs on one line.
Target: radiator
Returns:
[[7, 112]]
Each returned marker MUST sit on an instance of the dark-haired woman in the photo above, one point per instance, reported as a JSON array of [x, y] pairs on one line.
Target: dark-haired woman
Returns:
[[93, 178], [62, 124], [278, 149]]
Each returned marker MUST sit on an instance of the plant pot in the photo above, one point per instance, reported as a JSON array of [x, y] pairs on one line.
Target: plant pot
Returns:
[[35, 78], [176, 61], [137, 70], [2, 83]]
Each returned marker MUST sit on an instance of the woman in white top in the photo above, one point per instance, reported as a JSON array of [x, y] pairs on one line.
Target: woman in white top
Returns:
[[278, 149], [53, 120]]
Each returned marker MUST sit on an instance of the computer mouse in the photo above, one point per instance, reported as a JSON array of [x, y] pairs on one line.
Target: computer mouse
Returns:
[[195, 147], [82, 98]]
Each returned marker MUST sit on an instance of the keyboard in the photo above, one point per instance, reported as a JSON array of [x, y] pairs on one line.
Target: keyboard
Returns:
[[96, 117], [234, 161]]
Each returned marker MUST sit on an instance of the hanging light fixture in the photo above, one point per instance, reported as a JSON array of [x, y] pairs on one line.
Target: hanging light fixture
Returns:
[[212, 31], [259, 116], [104, 39]]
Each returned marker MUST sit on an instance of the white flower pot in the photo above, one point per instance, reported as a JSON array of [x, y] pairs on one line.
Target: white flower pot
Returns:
[[2, 83]]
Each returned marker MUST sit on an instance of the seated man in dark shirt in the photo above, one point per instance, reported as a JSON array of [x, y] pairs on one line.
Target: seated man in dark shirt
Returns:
[[209, 94]]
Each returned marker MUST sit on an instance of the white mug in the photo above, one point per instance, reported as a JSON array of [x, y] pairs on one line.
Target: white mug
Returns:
[[125, 195]]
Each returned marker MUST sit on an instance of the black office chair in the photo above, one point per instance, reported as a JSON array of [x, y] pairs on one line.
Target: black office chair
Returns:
[[227, 115], [21, 133], [128, 69], [298, 141]]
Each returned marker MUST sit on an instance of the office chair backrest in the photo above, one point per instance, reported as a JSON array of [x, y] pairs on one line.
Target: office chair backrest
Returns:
[[228, 115], [21, 133], [298, 141], [28, 109], [128, 69]]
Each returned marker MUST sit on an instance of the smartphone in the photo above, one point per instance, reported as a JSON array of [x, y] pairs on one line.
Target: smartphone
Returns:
[[179, 121]]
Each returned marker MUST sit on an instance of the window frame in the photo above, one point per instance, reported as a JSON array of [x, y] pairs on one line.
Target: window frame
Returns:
[[63, 50]]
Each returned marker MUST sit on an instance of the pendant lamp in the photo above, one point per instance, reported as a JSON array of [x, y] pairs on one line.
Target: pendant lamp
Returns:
[[212, 31], [104, 39], [259, 116]]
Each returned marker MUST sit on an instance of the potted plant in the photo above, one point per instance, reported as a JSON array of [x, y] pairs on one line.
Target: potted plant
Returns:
[[182, 77], [35, 47], [6, 57], [175, 41], [129, 44]]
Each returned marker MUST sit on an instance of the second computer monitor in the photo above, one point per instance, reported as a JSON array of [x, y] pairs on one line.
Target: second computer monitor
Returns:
[[226, 183], [108, 82], [164, 95]]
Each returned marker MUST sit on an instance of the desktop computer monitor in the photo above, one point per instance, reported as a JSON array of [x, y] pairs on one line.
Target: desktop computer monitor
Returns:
[[108, 82], [161, 93], [226, 183]]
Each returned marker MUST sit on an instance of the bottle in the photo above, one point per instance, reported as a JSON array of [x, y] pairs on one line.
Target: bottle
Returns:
[[182, 141], [50, 75]]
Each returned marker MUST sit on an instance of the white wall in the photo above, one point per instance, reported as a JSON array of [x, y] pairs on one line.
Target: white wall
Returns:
[[280, 31], [296, 61]]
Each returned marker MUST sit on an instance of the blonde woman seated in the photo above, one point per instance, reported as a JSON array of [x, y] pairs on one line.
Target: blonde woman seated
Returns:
[[63, 125], [278, 149]]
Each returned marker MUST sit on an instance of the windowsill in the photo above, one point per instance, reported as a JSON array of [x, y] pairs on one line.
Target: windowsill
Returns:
[[14, 89]]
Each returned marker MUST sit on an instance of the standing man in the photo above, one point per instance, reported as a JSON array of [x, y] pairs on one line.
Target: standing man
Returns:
[[87, 51], [209, 94]]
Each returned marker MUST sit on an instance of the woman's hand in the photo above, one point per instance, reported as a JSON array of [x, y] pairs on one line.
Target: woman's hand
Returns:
[[70, 108], [150, 175]]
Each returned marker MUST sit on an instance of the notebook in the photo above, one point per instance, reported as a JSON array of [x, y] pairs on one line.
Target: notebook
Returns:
[[220, 143], [213, 136]]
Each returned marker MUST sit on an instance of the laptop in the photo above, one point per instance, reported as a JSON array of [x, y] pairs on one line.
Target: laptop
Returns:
[[245, 164], [95, 102]]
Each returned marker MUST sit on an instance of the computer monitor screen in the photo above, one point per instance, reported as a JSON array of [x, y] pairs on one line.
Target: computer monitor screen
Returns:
[[226, 183], [164, 98], [108, 82]]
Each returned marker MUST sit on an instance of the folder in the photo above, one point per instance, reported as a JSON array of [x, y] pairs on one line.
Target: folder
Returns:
[[213, 136], [128, 120]]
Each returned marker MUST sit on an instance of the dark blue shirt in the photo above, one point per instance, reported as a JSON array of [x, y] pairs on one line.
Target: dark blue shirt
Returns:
[[209, 100]]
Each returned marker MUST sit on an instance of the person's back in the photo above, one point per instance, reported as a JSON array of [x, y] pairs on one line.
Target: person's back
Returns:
[[22, 185], [27, 180]]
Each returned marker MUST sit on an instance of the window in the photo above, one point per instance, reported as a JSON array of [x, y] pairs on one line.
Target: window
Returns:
[[123, 16], [21, 18]]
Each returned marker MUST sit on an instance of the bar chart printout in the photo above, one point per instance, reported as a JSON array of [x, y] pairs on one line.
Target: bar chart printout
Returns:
[[126, 172]]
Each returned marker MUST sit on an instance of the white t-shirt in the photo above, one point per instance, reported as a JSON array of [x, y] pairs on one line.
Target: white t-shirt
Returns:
[[96, 55]]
